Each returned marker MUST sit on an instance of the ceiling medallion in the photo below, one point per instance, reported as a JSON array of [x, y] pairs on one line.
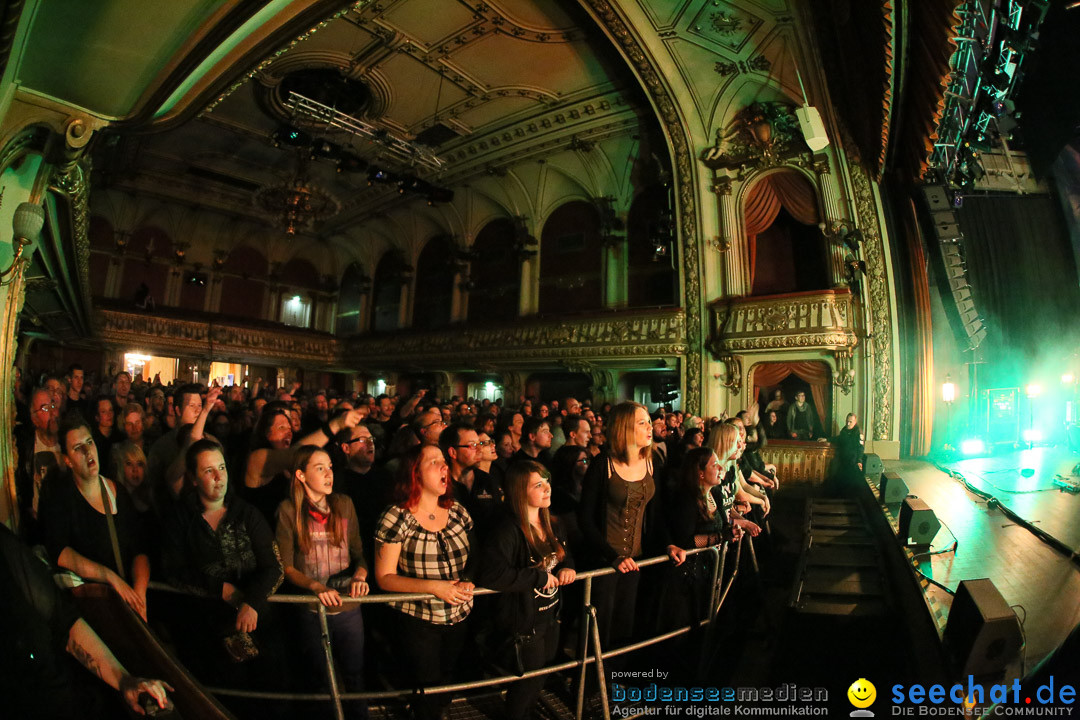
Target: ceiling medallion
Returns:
[[725, 23], [296, 204]]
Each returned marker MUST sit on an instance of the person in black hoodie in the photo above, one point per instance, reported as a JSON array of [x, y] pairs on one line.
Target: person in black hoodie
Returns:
[[526, 559]]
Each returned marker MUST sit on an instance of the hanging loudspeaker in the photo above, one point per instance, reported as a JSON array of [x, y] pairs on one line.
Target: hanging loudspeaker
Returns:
[[813, 129]]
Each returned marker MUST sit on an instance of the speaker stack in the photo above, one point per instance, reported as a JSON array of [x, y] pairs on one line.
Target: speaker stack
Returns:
[[983, 633], [917, 522], [952, 270]]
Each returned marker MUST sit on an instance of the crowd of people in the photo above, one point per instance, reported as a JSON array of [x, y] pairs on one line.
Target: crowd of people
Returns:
[[233, 494]]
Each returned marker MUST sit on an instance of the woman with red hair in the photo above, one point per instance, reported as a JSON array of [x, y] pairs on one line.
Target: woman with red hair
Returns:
[[422, 546]]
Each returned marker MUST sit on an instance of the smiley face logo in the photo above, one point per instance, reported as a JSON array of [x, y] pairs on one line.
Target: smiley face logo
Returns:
[[862, 693]]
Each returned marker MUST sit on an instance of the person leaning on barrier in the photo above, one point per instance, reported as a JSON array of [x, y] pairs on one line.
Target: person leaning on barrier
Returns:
[[218, 546], [422, 546], [525, 559], [91, 526], [322, 554], [619, 519], [38, 625]]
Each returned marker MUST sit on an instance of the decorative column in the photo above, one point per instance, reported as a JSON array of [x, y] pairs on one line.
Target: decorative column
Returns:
[[731, 242]]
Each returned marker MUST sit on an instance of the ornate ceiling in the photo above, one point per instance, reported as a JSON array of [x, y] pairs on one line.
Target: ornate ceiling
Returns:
[[486, 84]]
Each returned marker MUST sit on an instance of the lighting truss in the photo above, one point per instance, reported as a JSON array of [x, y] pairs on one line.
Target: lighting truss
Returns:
[[1006, 35], [402, 150]]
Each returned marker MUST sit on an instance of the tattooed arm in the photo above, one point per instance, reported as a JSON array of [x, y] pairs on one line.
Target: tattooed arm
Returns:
[[93, 654]]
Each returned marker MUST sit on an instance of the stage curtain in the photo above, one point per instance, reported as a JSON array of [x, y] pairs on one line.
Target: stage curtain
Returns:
[[785, 189], [815, 374], [922, 344]]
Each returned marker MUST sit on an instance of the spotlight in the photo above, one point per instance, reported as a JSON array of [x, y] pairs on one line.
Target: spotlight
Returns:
[[1033, 435], [291, 137], [1034, 390], [1068, 379], [973, 446]]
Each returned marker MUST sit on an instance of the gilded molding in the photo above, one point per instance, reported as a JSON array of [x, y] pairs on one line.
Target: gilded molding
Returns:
[[823, 320], [684, 179], [877, 280], [649, 335], [622, 336], [75, 186]]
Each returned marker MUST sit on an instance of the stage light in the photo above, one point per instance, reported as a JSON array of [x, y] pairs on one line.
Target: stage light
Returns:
[[1033, 435], [948, 390], [1034, 390], [1068, 379], [973, 446]]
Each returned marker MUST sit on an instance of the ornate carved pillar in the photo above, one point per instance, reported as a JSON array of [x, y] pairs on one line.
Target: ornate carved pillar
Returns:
[[616, 271], [731, 242]]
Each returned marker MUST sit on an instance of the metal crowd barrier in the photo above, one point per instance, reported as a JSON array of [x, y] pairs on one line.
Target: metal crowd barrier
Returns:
[[588, 630]]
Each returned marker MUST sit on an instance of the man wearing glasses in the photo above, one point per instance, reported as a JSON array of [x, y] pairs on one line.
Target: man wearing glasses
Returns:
[[44, 421], [428, 425], [472, 487], [357, 475]]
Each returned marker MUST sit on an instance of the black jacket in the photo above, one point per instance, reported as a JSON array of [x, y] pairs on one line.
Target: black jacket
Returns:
[[592, 518], [508, 567]]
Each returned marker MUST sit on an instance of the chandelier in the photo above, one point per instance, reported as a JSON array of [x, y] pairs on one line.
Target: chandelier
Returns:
[[297, 204]]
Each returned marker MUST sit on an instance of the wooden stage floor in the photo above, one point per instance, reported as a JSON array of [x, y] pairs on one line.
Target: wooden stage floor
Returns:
[[1028, 572]]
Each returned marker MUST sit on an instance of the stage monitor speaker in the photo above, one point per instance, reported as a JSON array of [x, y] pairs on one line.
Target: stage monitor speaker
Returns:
[[917, 522], [983, 633], [893, 489], [872, 466]]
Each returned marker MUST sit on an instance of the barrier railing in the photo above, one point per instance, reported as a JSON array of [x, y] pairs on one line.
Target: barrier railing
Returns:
[[588, 629]]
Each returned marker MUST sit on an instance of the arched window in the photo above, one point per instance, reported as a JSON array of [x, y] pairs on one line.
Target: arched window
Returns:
[[387, 291], [149, 252], [354, 283], [650, 224], [495, 273], [243, 283], [787, 250], [571, 259], [434, 285]]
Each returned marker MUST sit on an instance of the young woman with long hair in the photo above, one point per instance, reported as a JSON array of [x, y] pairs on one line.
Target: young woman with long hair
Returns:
[[726, 441], [525, 558], [616, 494], [422, 546], [321, 551]]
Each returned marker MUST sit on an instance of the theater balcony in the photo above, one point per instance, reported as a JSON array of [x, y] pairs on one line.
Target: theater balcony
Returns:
[[820, 319]]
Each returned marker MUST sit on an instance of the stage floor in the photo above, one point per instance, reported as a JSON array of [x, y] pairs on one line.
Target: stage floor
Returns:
[[1027, 571]]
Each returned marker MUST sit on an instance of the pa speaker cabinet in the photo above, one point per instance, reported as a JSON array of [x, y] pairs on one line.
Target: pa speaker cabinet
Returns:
[[918, 522], [983, 633], [893, 489], [872, 466]]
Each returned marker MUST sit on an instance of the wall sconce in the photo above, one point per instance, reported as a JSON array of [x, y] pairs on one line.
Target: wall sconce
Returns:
[[27, 222], [948, 390], [845, 373], [733, 372]]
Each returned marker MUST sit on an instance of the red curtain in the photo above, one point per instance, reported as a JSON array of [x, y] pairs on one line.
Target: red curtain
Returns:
[[787, 189], [815, 374]]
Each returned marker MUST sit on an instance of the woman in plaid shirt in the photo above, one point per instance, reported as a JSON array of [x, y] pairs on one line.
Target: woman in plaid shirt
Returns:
[[422, 546]]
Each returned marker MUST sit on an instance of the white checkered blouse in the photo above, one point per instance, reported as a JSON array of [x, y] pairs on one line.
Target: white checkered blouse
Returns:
[[430, 556]]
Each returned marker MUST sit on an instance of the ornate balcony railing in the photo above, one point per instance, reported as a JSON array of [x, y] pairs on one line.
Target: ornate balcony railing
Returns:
[[821, 319], [204, 339], [566, 340], [799, 462], [639, 333]]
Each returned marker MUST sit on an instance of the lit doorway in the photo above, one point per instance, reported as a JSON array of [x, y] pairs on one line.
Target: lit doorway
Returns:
[[150, 366], [226, 374]]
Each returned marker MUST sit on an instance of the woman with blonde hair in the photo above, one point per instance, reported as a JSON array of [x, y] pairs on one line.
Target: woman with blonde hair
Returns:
[[321, 552], [728, 442], [619, 521], [526, 559]]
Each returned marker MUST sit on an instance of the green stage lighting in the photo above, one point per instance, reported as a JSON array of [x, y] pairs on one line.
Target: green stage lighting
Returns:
[[973, 446], [1034, 390]]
